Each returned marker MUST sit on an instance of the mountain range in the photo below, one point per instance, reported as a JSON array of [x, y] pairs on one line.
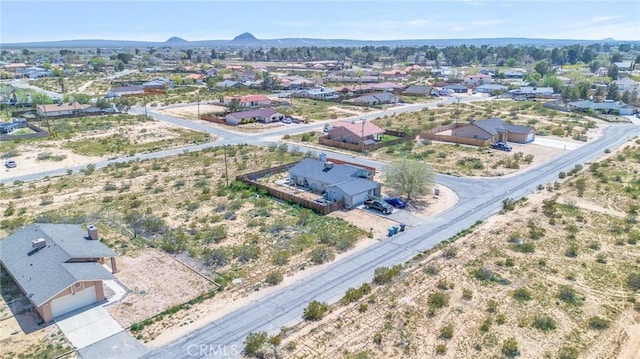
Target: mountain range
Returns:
[[246, 40]]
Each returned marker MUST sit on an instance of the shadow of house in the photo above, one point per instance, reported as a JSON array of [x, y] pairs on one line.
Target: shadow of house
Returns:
[[495, 130], [335, 181], [57, 266]]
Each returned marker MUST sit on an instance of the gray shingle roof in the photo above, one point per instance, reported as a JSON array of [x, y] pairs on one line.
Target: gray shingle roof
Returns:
[[356, 186], [42, 274], [496, 125], [314, 169], [606, 105]]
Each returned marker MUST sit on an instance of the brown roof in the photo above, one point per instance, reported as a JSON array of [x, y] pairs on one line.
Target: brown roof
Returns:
[[370, 128]]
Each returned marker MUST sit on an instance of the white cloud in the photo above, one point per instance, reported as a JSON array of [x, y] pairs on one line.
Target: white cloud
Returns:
[[606, 18], [417, 23]]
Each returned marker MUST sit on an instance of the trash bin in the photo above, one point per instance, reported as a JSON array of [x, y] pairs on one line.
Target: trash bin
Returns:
[[395, 229], [390, 231], [436, 191], [402, 225]]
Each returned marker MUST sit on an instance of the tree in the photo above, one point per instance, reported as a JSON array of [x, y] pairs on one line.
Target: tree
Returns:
[[98, 63], [124, 57], [103, 103], [234, 105], [409, 177], [120, 66], [613, 72], [552, 81], [626, 97], [612, 92], [541, 67], [124, 104]]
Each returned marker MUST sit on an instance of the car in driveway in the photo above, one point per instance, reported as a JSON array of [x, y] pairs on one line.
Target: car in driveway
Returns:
[[10, 164], [396, 202], [501, 146], [379, 205]]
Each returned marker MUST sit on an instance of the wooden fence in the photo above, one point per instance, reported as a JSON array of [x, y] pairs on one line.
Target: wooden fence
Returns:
[[209, 118], [432, 134], [38, 133], [251, 179], [325, 140]]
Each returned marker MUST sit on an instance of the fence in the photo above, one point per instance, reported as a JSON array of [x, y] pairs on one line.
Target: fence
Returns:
[[39, 133], [321, 208], [366, 147], [432, 135], [209, 118]]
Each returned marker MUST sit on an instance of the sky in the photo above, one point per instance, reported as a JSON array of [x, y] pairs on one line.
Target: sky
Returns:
[[143, 20]]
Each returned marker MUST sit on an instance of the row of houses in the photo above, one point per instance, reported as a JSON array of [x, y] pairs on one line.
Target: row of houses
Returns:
[[156, 85], [69, 109]]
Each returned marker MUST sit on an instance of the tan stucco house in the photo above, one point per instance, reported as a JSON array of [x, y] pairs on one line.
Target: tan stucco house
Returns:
[[59, 267], [494, 129]]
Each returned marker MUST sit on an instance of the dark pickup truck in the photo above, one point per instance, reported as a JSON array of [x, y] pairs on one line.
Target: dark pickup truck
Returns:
[[378, 204]]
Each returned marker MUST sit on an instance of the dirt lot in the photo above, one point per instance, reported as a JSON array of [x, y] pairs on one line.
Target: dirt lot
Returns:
[[191, 112], [157, 282]]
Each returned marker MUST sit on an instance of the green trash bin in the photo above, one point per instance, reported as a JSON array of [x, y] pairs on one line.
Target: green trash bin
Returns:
[[395, 229], [391, 232]]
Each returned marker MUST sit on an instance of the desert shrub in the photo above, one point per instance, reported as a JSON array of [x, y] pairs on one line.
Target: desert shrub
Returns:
[[438, 300], [569, 295], [449, 252], [467, 294], [431, 269], [492, 306], [321, 254], [571, 251], [544, 323], [633, 281], [385, 275], [509, 204], [254, 341], [568, 353], [486, 325], [354, 294], [510, 348], [315, 311], [441, 349], [524, 247], [598, 323], [274, 277], [446, 332], [522, 294], [281, 258], [246, 253]]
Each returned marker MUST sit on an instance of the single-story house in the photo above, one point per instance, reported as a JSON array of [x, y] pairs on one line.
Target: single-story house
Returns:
[[8, 127], [456, 88], [59, 267], [228, 84], [195, 77], [34, 72], [61, 109], [495, 129], [514, 75], [248, 100], [607, 107], [477, 80], [319, 93], [624, 65], [355, 132], [627, 84], [265, 115], [532, 91], [377, 99], [419, 90], [491, 89], [160, 83], [125, 91], [336, 181]]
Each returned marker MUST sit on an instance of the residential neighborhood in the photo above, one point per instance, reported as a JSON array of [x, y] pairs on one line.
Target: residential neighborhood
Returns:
[[269, 196]]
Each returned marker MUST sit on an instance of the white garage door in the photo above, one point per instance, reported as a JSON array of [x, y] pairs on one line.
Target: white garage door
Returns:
[[82, 298], [529, 137]]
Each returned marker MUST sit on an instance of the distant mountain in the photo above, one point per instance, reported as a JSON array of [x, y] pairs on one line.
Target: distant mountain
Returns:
[[248, 40], [176, 40], [244, 37]]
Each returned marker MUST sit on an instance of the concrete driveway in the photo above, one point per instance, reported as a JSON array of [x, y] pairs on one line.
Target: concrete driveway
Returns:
[[550, 142], [89, 326]]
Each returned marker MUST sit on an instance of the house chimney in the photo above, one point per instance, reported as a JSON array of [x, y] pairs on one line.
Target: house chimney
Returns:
[[328, 165], [322, 157], [93, 232], [38, 244]]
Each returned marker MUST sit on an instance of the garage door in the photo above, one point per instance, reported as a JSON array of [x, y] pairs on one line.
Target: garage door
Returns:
[[530, 137], [68, 303]]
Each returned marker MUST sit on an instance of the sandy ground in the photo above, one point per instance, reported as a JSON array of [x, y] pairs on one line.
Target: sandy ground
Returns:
[[27, 161], [191, 112], [150, 293], [226, 302]]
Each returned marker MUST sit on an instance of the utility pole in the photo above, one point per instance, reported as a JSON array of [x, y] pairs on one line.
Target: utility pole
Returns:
[[198, 104], [457, 109], [145, 109], [226, 172]]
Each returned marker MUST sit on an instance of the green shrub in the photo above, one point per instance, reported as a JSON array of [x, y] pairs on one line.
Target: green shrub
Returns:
[[568, 353], [274, 277], [569, 295], [598, 323], [544, 323], [384, 275], [510, 348], [254, 341], [522, 294], [438, 300], [315, 311], [446, 332]]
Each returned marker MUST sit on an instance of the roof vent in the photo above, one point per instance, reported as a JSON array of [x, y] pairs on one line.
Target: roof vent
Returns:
[[39, 243]]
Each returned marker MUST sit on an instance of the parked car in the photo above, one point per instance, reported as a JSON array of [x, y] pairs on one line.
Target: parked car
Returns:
[[396, 202], [501, 146], [378, 204], [286, 120], [10, 164]]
